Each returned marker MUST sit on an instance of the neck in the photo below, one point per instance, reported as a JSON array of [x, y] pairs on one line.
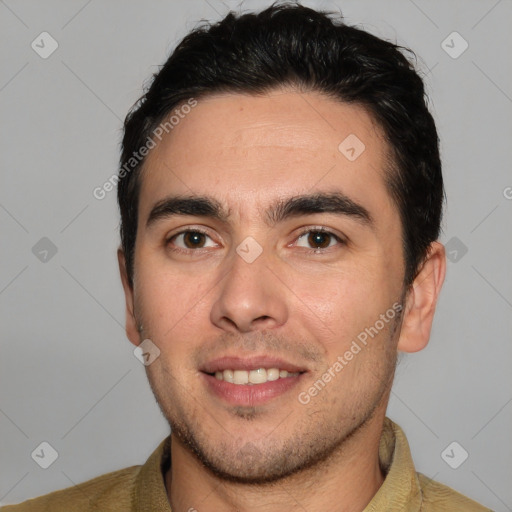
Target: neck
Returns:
[[347, 481]]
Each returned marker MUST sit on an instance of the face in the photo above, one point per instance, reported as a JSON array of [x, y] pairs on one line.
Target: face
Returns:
[[267, 253]]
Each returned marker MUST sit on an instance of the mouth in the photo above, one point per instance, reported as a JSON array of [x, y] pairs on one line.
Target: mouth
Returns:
[[258, 376], [248, 382]]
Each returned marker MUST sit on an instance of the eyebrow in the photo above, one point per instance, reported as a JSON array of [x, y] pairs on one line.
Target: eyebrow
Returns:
[[194, 205], [336, 202], [203, 206]]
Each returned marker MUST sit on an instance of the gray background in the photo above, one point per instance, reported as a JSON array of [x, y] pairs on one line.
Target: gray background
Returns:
[[68, 374]]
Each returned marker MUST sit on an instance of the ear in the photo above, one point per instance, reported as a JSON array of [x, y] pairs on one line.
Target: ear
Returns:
[[131, 323], [421, 300]]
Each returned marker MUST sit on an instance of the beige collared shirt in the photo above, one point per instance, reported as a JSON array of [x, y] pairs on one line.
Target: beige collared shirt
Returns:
[[142, 488]]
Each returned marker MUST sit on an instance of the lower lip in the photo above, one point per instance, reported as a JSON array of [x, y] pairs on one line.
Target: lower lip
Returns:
[[250, 394]]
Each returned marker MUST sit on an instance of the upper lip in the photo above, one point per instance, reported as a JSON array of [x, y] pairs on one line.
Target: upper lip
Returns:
[[249, 363]]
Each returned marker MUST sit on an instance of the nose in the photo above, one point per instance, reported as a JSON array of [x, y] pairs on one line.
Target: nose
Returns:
[[250, 297]]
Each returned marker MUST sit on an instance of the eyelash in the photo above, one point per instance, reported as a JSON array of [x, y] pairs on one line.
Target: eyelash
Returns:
[[303, 232], [322, 230], [180, 249]]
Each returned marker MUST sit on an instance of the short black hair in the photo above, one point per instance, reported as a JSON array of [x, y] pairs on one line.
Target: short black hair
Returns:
[[292, 45]]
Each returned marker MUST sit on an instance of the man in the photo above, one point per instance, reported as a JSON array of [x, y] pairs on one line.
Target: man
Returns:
[[281, 194]]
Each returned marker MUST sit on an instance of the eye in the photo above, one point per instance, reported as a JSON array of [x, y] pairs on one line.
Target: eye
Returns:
[[318, 239], [192, 239]]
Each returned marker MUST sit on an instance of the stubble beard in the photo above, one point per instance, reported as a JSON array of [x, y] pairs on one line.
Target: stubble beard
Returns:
[[308, 446]]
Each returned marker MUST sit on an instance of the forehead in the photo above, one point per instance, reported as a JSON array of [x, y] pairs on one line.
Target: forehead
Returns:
[[247, 150]]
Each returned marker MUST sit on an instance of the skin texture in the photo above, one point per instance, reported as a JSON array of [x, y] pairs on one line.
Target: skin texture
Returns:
[[303, 306]]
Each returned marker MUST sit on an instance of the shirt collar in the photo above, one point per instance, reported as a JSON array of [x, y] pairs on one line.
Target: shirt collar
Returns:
[[401, 489], [150, 494]]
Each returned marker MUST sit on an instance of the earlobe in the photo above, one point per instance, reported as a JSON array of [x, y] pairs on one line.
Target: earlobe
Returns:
[[131, 322], [421, 301]]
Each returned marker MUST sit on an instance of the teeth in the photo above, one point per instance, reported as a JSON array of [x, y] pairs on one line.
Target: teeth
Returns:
[[240, 377], [259, 376], [273, 374]]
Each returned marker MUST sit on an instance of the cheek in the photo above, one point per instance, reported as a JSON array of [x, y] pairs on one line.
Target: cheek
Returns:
[[347, 323], [340, 302], [171, 305]]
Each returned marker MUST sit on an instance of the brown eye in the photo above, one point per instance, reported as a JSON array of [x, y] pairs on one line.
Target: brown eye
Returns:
[[191, 240], [319, 240]]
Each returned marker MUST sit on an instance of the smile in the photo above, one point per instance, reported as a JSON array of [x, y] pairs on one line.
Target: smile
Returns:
[[258, 376]]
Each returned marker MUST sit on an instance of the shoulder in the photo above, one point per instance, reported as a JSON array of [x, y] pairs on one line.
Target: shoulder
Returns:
[[109, 492], [441, 498]]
